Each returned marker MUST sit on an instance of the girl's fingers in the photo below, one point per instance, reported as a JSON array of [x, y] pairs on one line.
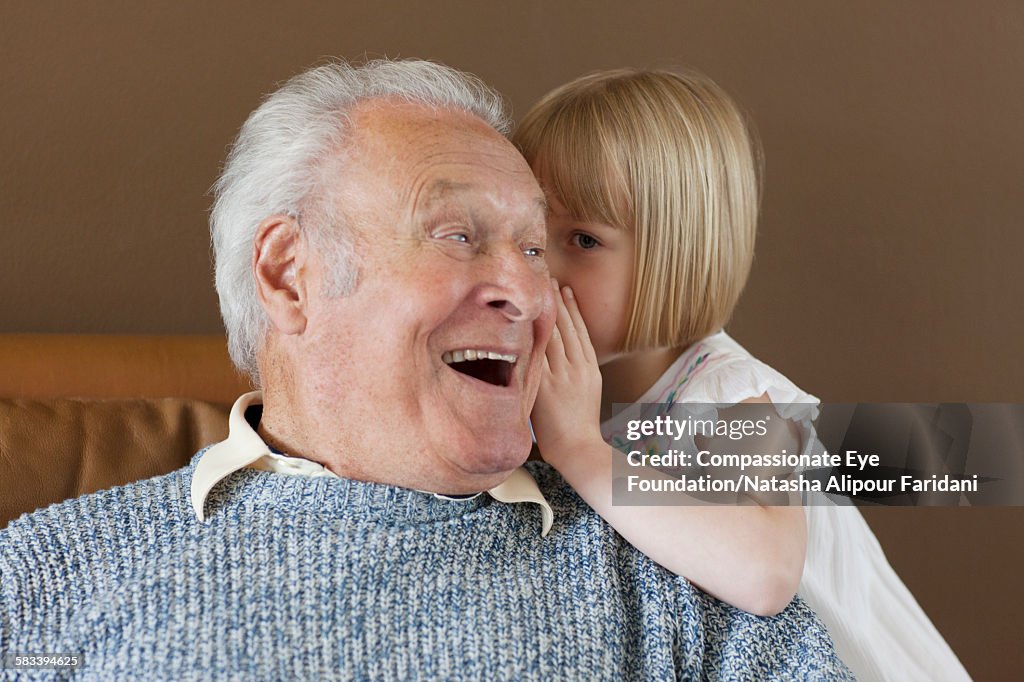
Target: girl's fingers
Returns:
[[555, 351], [586, 347], [545, 373], [560, 331], [569, 333]]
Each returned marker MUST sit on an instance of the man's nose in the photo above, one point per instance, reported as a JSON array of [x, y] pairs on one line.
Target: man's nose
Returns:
[[515, 284]]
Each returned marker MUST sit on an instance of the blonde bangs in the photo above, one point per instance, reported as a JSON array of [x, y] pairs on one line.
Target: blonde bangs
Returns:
[[568, 141]]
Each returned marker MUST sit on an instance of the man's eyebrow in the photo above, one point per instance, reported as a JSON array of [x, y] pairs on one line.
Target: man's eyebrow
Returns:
[[440, 187]]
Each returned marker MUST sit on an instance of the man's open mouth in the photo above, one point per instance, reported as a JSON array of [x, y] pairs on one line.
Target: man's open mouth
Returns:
[[488, 366]]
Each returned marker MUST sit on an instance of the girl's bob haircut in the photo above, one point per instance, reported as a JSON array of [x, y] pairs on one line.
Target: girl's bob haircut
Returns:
[[670, 156]]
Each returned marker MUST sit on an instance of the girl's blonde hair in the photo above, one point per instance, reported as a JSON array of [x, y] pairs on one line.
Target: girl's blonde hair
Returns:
[[670, 156]]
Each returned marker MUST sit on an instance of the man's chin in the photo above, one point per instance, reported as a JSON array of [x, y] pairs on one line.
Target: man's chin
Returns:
[[493, 458]]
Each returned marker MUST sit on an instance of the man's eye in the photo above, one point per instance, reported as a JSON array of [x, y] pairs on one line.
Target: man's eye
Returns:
[[534, 252], [585, 241], [457, 237]]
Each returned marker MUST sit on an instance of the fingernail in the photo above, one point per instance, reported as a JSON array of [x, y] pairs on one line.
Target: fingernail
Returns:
[[568, 292]]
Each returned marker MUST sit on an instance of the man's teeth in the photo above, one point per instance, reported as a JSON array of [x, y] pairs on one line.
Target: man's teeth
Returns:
[[453, 356]]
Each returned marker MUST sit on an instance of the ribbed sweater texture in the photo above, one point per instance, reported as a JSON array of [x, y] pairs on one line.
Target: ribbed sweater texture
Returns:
[[295, 578]]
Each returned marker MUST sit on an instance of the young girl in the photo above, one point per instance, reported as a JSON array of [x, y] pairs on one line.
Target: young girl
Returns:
[[653, 189]]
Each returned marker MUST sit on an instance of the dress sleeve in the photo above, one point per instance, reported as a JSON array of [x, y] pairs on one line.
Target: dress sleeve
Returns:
[[732, 378]]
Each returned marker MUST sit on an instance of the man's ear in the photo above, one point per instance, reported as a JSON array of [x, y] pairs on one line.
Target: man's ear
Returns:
[[278, 263]]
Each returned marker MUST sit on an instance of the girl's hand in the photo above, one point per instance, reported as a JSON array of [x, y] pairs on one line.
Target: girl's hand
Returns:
[[567, 414]]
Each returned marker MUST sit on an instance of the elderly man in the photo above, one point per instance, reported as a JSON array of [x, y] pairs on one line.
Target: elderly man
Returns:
[[380, 264]]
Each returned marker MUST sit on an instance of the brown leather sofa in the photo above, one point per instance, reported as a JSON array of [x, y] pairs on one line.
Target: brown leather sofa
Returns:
[[83, 413]]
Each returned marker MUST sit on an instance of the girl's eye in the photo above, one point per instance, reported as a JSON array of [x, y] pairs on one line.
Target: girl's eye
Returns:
[[585, 241]]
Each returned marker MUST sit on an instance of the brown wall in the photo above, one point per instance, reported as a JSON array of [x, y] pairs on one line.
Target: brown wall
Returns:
[[886, 268], [887, 264]]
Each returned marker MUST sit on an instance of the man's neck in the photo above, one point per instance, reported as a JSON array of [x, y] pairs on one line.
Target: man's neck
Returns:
[[285, 429]]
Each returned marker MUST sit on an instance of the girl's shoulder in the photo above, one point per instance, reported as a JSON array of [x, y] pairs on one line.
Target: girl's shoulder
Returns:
[[719, 370], [713, 373]]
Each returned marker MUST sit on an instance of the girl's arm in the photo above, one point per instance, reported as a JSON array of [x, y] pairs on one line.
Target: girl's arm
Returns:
[[750, 556]]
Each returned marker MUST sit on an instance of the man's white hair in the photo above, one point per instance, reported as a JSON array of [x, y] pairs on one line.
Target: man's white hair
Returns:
[[277, 164]]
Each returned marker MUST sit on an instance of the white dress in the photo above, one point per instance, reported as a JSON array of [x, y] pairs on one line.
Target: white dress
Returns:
[[878, 628]]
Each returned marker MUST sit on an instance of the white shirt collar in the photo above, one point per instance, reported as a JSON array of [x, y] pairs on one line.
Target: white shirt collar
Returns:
[[244, 448]]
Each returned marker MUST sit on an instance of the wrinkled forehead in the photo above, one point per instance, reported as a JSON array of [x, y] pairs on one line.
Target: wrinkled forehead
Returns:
[[420, 158], [388, 132]]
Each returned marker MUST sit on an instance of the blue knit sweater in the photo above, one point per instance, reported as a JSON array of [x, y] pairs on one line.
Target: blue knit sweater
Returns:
[[312, 578]]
